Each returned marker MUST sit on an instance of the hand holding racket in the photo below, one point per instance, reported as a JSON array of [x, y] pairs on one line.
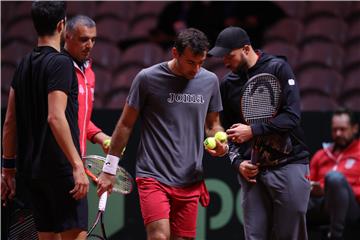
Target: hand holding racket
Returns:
[[239, 133], [122, 183]]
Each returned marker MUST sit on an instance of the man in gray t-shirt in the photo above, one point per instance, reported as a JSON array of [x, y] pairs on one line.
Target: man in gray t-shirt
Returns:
[[178, 102]]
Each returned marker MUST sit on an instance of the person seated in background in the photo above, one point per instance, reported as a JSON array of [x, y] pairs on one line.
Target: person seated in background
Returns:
[[335, 176]]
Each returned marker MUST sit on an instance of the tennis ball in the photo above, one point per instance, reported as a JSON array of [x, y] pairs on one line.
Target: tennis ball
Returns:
[[221, 137], [106, 143], [210, 143]]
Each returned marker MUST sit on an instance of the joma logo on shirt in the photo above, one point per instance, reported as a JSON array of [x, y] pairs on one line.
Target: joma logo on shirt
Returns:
[[185, 98]]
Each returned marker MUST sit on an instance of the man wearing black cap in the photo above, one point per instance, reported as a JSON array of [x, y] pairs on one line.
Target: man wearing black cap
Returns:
[[275, 196]]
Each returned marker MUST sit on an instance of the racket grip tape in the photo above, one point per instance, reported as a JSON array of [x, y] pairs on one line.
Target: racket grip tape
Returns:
[[102, 201], [254, 155]]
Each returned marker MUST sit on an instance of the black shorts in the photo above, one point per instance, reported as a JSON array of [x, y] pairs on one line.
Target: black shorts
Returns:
[[55, 210]]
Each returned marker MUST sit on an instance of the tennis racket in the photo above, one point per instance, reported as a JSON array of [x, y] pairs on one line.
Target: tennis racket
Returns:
[[123, 184], [18, 221], [260, 102]]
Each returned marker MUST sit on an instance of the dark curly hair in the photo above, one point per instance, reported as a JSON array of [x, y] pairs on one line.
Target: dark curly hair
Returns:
[[193, 38], [46, 15]]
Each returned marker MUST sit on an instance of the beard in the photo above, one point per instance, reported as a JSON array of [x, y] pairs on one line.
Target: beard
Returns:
[[342, 143]]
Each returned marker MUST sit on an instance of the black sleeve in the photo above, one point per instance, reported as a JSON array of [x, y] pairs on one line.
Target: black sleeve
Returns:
[[237, 152], [60, 72], [289, 114], [225, 121], [19, 69]]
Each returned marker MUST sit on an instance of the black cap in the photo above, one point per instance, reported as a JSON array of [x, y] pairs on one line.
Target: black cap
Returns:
[[229, 39]]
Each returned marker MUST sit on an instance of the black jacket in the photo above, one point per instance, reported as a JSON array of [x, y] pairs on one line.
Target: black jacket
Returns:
[[286, 124]]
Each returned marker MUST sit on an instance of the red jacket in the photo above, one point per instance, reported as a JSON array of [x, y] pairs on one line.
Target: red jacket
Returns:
[[347, 163], [86, 82]]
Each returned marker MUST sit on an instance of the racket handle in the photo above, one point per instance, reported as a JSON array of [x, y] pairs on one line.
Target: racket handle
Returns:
[[254, 155], [102, 201]]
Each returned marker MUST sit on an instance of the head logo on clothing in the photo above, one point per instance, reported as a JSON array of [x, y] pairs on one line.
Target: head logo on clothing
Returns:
[[291, 82]]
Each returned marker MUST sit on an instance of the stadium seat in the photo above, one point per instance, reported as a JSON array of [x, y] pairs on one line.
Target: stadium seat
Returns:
[[123, 10], [22, 9], [4, 98], [321, 54], [316, 9], [116, 99], [103, 80], [7, 73], [323, 81], [78, 7], [21, 28], [7, 13], [294, 9], [352, 57], [149, 7], [141, 26], [290, 51], [353, 35], [353, 12], [112, 29], [352, 101], [325, 28], [15, 51], [351, 84], [288, 30], [314, 102], [145, 54], [106, 55], [124, 77]]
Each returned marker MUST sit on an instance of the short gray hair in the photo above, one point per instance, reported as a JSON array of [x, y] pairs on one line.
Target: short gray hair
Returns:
[[79, 20]]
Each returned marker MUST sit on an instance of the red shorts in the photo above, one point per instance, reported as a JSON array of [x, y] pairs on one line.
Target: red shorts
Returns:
[[178, 204]]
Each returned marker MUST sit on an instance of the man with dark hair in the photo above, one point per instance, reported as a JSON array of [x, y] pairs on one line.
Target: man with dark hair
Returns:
[[275, 190], [41, 132], [175, 100], [80, 35], [335, 176]]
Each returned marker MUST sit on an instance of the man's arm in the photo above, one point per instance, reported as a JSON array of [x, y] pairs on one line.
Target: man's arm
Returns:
[[212, 126], [57, 101], [9, 150], [96, 135], [119, 140]]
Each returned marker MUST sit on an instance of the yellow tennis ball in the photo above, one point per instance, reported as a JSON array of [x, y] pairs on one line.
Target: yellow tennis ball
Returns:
[[106, 143], [210, 143], [221, 137]]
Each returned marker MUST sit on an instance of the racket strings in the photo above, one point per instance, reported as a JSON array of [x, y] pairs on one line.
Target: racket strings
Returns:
[[123, 180], [260, 99], [123, 183]]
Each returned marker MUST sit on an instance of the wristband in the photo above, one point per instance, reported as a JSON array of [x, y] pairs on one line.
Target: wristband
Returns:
[[8, 162], [226, 152], [111, 164]]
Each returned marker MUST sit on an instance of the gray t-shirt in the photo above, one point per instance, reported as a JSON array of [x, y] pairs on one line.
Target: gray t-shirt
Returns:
[[173, 112]]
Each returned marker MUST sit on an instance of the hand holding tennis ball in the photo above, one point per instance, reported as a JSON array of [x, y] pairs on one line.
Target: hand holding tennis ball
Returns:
[[210, 143], [221, 137], [106, 143]]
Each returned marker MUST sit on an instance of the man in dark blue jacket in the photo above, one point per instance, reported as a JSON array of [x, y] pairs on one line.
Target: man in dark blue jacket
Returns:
[[275, 195]]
